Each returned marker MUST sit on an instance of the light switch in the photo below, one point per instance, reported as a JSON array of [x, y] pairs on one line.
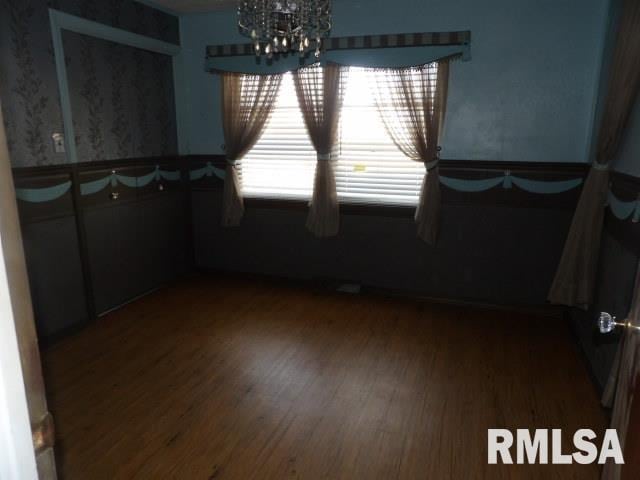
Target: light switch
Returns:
[[58, 142]]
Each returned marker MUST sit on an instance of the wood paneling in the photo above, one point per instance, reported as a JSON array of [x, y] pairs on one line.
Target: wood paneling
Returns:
[[89, 253], [231, 378]]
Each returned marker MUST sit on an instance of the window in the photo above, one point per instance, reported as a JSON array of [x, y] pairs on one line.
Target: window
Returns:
[[283, 162], [370, 168]]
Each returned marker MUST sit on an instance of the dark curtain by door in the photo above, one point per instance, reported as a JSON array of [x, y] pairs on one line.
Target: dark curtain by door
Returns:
[[575, 278]]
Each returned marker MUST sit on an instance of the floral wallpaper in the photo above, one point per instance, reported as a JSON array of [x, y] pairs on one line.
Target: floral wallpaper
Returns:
[[122, 97]]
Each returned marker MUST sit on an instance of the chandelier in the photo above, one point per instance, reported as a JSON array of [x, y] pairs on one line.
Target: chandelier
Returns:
[[283, 26]]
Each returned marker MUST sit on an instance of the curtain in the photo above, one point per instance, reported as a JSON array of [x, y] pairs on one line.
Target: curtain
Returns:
[[622, 380], [320, 91], [247, 103], [412, 103], [575, 278]]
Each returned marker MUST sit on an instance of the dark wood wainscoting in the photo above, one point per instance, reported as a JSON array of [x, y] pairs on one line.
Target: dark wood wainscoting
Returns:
[[499, 246], [88, 254]]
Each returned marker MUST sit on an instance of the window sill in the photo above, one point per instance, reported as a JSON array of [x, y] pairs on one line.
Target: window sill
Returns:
[[347, 208]]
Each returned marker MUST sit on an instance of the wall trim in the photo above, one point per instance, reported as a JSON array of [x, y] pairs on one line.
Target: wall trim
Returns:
[[463, 169]]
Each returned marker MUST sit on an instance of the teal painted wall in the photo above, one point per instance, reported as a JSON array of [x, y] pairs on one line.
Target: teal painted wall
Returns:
[[528, 94]]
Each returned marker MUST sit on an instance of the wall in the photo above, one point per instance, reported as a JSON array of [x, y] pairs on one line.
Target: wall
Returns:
[[121, 99], [30, 89], [500, 247], [527, 94]]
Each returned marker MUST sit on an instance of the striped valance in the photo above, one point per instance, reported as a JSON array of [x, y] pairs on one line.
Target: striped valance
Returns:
[[395, 40]]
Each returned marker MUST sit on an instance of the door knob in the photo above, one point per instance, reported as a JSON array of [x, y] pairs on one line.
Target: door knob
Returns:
[[114, 195], [607, 323]]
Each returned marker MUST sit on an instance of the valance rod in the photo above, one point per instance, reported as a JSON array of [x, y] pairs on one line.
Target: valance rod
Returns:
[[395, 40]]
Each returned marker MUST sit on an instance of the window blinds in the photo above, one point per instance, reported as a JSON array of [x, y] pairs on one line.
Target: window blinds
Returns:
[[370, 168]]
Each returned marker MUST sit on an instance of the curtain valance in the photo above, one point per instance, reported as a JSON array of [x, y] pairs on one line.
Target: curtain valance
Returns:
[[394, 50]]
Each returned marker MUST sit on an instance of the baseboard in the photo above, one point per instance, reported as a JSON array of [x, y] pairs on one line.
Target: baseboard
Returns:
[[333, 285]]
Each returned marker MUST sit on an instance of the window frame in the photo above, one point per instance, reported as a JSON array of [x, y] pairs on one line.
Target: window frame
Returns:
[[347, 199]]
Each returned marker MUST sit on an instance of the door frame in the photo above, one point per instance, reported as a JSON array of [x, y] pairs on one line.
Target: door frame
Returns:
[[63, 21], [26, 427]]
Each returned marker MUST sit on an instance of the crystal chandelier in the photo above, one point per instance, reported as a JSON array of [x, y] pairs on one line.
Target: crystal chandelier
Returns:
[[282, 26]]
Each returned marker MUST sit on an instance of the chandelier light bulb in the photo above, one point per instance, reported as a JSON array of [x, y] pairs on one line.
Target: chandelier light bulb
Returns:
[[276, 42], [254, 35], [267, 49], [256, 47], [284, 42], [306, 42]]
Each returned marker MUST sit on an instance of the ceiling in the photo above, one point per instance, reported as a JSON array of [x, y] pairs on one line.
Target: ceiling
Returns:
[[185, 6]]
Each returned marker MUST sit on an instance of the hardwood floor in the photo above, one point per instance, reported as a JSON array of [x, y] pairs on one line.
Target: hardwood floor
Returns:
[[233, 379]]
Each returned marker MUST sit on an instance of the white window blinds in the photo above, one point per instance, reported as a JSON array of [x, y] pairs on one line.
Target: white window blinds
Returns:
[[370, 168], [282, 163]]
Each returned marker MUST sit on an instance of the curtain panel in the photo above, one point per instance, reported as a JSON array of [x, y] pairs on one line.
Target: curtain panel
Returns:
[[247, 103], [574, 281], [320, 92], [619, 392], [412, 105]]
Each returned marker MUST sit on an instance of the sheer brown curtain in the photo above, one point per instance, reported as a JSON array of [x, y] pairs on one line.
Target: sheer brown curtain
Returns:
[[575, 278], [320, 91], [247, 103], [620, 389], [412, 103]]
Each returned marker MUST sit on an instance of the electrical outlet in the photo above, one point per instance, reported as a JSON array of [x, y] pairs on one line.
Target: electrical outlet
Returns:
[[58, 142]]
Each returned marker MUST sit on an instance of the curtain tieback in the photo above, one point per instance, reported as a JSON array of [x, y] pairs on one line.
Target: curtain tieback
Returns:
[[231, 163], [324, 157], [600, 166], [432, 164], [436, 159]]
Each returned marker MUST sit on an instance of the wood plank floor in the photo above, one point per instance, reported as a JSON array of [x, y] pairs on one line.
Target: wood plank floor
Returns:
[[245, 379]]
